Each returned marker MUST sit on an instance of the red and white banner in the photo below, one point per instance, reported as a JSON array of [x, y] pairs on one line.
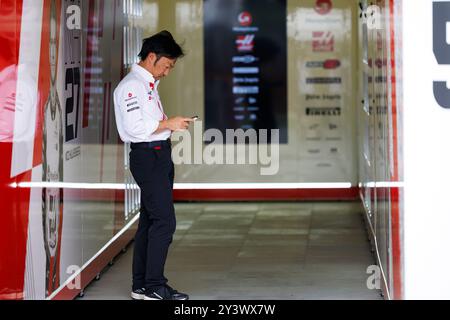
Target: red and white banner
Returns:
[[49, 140]]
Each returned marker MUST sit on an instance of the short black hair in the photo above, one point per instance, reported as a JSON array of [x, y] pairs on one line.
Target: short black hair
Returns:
[[163, 45]]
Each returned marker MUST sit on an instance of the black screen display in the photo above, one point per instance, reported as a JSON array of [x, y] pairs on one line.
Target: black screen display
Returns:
[[246, 65]]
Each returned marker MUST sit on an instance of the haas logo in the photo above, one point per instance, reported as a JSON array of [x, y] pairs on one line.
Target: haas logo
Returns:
[[245, 43], [245, 19]]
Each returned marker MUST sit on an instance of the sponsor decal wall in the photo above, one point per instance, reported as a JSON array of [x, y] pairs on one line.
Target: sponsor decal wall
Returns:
[[323, 93], [60, 60], [320, 86]]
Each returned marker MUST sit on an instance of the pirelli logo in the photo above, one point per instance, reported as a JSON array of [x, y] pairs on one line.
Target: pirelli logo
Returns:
[[323, 111]]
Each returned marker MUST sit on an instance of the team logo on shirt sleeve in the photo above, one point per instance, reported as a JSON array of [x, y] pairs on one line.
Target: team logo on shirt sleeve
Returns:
[[131, 102]]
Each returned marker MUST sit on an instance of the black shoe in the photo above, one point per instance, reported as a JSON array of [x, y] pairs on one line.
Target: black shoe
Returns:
[[138, 294], [177, 295], [166, 293]]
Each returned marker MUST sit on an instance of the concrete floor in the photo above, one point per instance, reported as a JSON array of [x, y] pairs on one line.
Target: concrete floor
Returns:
[[314, 250]]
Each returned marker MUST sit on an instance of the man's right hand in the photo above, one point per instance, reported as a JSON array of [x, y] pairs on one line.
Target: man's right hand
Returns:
[[175, 124]]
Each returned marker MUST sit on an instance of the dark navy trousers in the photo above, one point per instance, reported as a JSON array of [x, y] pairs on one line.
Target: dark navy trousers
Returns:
[[153, 170]]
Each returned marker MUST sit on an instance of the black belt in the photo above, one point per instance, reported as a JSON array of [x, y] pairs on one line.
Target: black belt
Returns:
[[151, 145]]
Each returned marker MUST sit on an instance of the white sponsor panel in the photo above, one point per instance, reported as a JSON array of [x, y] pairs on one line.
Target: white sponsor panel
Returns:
[[426, 153], [323, 88]]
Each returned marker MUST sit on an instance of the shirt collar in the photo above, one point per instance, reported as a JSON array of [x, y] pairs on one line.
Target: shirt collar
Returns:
[[145, 74]]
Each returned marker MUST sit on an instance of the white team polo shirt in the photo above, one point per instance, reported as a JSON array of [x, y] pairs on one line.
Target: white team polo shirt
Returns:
[[138, 107]]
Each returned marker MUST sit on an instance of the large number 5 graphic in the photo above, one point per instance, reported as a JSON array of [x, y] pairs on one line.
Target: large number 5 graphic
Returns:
[[441, 17]]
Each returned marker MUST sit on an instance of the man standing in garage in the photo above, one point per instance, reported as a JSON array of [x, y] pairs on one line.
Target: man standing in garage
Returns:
[[141, 121]]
